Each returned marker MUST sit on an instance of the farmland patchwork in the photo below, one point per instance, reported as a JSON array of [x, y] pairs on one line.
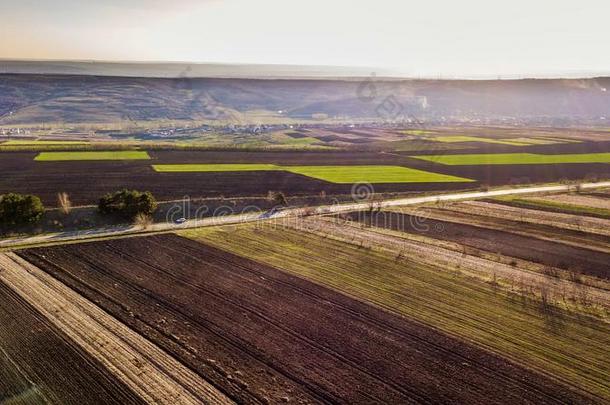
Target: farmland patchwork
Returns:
[[263, 335]]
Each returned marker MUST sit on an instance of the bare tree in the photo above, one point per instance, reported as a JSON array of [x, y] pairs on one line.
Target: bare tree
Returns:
[[63, 202]]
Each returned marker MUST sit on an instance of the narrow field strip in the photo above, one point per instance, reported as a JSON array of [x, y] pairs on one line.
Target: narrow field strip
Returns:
[[550, 204], [579, 201], [454, 213], [36, 142], [566, 346], [335, 174], [93, 155], [39, 364], [539, 141], [597, 226], [150, 372], [211, 168], [514, 159], [464, 138], [552, 253]]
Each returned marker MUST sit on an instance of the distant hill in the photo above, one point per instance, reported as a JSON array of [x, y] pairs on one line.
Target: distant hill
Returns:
[[64, 98], [182, 69]]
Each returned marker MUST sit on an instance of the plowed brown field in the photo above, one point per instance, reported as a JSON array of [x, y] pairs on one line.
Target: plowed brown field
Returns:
[[40, 364], [262, 335]]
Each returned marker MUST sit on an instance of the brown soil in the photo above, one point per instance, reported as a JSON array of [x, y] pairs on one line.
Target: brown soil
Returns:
[[536, 250], [262, 335], [40, 364], [145, 369]]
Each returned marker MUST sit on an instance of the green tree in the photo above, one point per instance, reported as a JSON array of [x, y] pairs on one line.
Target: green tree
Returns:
[[128, 204], [20, 209]]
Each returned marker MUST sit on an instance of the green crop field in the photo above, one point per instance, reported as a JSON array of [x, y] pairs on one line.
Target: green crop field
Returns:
[[36, 142], [515, 159], [101, 155], [463, 138], [568, 346], [540, 141], [416, 132], [333, 174], [372, 174]]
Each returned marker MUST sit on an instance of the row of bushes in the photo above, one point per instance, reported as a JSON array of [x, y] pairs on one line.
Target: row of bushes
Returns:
[[23, 209]]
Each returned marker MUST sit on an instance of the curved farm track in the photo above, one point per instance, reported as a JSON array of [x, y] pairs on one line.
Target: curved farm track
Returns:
[[261, 335]]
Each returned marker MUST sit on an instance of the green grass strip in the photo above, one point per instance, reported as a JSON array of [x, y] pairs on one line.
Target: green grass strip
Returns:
[[463, 138], [102, 155], [515, 159]]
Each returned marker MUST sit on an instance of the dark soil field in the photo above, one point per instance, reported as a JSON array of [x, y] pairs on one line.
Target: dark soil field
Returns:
[[39, 364], [495, 175], [559, 255], [87, 181], [261, 335]]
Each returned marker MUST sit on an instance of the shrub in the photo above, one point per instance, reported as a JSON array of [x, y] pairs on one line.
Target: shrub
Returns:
[[128, 204], [277, 197], [20, 209]]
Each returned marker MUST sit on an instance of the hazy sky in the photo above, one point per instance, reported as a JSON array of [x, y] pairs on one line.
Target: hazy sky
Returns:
[[425, 37]]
